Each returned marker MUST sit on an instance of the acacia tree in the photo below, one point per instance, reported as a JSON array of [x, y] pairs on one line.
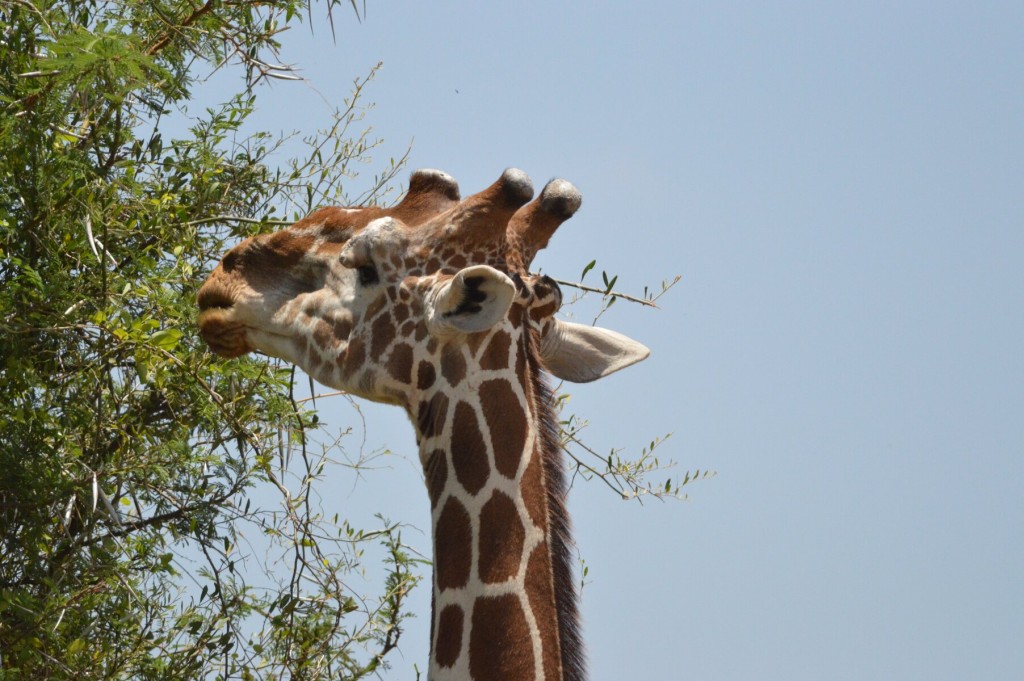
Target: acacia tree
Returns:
[[128, 456], [132, 461]]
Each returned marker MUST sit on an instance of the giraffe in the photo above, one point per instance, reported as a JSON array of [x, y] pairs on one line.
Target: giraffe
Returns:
[[430, 305]]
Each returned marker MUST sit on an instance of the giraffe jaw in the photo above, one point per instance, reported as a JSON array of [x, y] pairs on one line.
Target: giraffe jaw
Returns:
[[273, 344], [227, 335]]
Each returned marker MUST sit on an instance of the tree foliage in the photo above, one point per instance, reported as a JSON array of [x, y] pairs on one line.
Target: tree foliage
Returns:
[[135, 467], [129, 458]]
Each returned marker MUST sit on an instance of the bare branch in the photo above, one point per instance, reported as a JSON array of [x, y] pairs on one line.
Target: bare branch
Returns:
[[604, 292]]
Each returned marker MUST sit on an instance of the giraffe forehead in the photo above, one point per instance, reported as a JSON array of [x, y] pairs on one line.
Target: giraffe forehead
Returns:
[[391, 245]]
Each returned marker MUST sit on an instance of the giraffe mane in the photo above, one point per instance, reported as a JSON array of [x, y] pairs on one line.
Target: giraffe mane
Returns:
[[563, 577]]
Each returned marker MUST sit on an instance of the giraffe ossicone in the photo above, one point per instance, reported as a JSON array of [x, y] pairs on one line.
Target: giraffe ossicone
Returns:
[[430, 305]]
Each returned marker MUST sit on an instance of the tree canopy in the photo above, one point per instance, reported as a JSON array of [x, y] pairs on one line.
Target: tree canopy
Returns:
[[128, 454]]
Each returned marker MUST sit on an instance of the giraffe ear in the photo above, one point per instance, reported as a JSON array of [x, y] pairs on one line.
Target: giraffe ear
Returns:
[[580, 353], [473, 300]]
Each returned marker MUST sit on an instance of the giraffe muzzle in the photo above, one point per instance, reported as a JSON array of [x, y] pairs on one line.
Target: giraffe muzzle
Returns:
[[224, 334]]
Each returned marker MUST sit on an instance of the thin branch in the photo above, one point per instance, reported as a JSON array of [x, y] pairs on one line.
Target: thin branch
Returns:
[[605, 292], [93, 242], [38, 74], [314, 398], [163, 40], [237, 218]]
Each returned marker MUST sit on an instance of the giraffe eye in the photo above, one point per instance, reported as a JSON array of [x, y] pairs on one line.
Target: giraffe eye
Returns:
[[367, 275]]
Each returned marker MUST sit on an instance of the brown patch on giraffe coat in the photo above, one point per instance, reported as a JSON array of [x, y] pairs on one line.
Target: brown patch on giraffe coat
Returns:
[[311, 305], [353, 357], [449, 636], [500, 541], [342, 329], [302, 346], [323, 335], [401, 313], [521, 367], [292, 314], [375, 307], [425, 375], [400, 363], [329, 249], [532, 489], [469, 452], [383, 334], [431, 415], [515, 314], [507, 423], [495, 356], [337, 222], [267, 257], [544, 311], [315, 361], [453, 364], [437, 476], [538, 592], [474, 341], [499, 639], [453, 544]]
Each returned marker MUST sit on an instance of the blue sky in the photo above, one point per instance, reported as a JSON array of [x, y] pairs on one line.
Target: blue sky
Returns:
[[840, 187]]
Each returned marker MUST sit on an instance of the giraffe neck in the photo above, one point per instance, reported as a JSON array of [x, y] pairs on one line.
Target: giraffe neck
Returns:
[[504, 600]]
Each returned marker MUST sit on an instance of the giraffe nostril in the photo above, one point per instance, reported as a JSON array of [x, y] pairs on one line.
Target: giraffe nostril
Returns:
[[210, 298], [230, 260]]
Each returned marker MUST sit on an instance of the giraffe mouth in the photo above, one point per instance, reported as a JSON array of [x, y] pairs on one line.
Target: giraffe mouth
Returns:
[[224, 335], [223, 332], [226, 325], [227, 335]]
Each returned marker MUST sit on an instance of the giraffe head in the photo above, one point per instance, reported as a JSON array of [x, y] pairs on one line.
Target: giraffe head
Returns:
[[367, 299]]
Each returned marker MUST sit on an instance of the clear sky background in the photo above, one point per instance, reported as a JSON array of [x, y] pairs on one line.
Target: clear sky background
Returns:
[[841, 187]]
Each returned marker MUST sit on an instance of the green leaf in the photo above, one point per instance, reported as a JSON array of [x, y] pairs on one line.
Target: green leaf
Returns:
[[166, 339]]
